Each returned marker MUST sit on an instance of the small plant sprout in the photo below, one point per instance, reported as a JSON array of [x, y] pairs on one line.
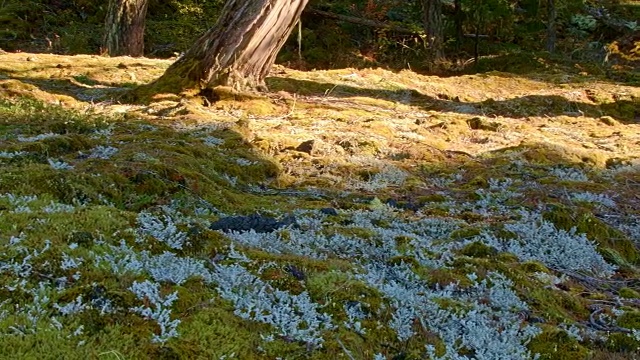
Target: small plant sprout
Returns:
[[212, 141], [37, 137], [589, 197], [569, 174], [11, 155], [55, 207], [159, 309], [59, 165], [102, 152], [162, 229], [245, 162]]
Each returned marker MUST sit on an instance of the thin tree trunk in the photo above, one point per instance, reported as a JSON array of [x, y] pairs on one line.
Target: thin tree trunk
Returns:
[[433, 28], [551, 25], [238, 51], [124, 33]]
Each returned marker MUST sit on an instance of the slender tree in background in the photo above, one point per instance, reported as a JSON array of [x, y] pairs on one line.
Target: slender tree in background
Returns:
[[238, 51], [458, 22], [433, 28], [124, 34], [551, 25]]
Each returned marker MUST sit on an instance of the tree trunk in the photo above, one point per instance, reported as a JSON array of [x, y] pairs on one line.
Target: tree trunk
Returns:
[[551, 25], [238, 51], [433, 28], [124, 34]]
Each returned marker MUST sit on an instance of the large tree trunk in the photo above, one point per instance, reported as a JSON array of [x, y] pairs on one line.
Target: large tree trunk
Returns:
[[433, 28], [124, 33], [238, 51]]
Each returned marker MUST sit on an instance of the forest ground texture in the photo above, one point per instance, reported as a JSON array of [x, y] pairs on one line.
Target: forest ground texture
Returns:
[[434, 216]]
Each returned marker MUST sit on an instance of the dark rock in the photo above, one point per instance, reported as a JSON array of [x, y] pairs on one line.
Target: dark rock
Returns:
[[403, 205], [392, 203], [478, 123], [306, 147], [329, 211], [255, 222]]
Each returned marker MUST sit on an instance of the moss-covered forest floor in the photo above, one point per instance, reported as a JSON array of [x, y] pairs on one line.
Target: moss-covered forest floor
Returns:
[[347, 214]]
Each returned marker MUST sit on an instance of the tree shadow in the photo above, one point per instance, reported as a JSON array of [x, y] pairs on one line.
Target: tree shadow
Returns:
[[624, 110], [81, 88]]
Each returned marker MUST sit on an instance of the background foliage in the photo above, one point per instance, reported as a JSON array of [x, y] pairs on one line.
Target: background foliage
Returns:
[[587, 30]]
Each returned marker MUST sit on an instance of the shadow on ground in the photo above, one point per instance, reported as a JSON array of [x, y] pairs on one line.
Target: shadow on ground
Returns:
[[623, 110]]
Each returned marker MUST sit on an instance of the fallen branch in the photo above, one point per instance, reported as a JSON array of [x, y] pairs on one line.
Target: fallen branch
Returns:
[[364, 22], [481, 36], [596, 322]]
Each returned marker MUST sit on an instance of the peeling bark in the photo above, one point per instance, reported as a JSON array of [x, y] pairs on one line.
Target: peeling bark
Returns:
[[124, 28], [433, 28], [238, 51]]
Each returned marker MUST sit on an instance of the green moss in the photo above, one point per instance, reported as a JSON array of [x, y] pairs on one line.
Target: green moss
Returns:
[[478, 249], [436, 198], [465, 233], [554, 344], [334, 289], [397, 260], [163, 167], [471, 217], [507, 258], [353, 232], [630, 319], [628, 293], [443, 277], [478, 182], [620, 342], [534, 267], [213, 332]]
